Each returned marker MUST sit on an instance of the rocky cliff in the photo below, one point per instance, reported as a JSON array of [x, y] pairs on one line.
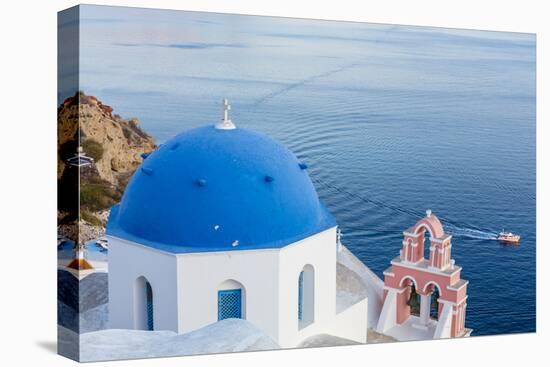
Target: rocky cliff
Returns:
[[114, 143]]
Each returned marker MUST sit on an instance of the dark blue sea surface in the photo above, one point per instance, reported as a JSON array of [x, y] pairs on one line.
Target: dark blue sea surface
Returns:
[[392, 120]]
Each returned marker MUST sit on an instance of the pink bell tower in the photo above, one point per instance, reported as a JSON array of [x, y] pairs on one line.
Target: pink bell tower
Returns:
[[436, 280]]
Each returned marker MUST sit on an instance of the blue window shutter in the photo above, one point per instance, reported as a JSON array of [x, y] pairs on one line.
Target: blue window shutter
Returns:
[[229, 304], [149, 305], [300, 294]]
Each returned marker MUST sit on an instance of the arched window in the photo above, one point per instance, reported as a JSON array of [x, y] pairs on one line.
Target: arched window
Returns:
[[433, 290], [144, 305], [306, 296], [413, 298], [427, 244], [414, 301], [434, 304], [425, 238], [231, 300]]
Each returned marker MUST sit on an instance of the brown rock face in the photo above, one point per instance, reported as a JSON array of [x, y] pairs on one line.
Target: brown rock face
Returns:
[[122, 140], [86, 194]]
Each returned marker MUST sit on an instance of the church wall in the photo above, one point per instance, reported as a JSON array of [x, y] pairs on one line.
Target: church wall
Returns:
[[129, 261], [200, 276], [185, 288], [320, 252], [352, 323]]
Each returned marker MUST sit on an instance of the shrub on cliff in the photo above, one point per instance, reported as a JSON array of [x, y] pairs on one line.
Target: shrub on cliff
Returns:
[[90, 218], [97, 194], [93, 149]]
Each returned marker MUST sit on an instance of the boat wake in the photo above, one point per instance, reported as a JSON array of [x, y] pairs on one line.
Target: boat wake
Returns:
[[470, 233]]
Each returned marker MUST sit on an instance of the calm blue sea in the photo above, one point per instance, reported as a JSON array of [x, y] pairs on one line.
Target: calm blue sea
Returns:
[[392, 120]]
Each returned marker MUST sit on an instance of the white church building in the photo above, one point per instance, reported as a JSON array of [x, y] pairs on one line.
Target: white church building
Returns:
[[224, 222]]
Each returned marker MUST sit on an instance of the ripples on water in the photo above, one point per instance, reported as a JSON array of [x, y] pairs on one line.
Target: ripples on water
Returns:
[[391, 121]]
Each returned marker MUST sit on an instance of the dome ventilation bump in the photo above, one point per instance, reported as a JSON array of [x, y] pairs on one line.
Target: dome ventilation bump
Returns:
[[147, 171], [201, 182]]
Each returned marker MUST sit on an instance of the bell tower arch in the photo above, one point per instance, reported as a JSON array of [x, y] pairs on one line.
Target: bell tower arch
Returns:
[[436, 280]]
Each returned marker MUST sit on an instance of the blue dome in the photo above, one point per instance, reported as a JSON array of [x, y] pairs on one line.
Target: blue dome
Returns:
[[211, 189]]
